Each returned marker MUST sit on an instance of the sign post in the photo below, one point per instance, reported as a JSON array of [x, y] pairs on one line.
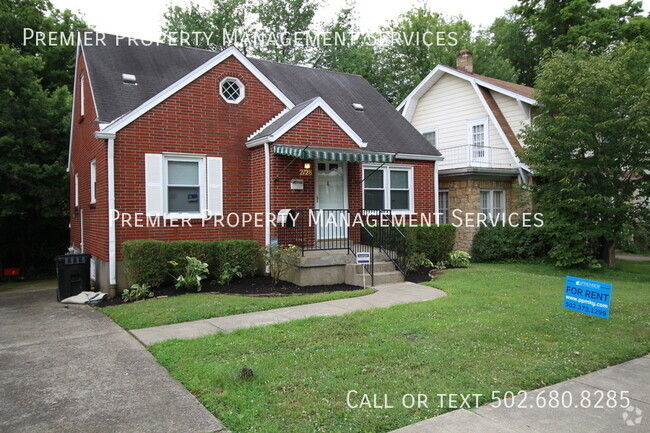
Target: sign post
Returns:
[[363, 258], [588, 297]]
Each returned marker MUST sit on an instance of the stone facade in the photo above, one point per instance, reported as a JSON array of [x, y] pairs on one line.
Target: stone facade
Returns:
[[465, 202]]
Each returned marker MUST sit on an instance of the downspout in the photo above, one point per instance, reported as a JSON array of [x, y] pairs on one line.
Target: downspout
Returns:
[[110, 162], [267, 195], [436, 193], [81, 230], [112, 257]]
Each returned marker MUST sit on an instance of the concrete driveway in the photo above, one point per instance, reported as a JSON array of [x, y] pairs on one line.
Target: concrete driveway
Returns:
[[71, 369]]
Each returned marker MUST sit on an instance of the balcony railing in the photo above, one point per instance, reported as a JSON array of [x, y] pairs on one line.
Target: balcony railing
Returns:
[[469, 156]]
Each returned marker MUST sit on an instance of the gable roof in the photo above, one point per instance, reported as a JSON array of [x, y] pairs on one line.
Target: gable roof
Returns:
[[516, 91], [289, 118], [162, 69]]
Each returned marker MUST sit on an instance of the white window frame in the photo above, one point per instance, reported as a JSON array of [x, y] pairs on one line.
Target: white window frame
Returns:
[[491, 206], [82, 95], [202, 185], [385, 170], [242, 90], [444, 217], [93, 181], [483, 121], [430, 130], [76, 189]]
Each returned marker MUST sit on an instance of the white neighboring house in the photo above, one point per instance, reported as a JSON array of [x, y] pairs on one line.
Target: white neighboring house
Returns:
[[474, 121]]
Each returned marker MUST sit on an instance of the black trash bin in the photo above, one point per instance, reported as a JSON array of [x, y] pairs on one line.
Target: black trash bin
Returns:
[[73, 274]]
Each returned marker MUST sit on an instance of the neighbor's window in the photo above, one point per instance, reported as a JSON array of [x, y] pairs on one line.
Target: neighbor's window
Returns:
[[493, 203], [183, 186], [93, 181], [388, 188], [76, 189], [232, 90], [431, 136], [477, 135], [443, 206]]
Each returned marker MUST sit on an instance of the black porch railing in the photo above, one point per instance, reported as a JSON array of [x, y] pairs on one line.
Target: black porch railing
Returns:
[[367, 231]]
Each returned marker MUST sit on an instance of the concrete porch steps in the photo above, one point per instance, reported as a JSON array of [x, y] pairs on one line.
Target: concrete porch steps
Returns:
[[385, 273]]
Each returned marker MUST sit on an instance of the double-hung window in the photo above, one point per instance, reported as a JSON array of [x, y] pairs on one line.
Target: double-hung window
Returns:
[[477, 138], [443, 206], [388, 187], [93, 181], [183, 185], [431, 136], [493, 204]]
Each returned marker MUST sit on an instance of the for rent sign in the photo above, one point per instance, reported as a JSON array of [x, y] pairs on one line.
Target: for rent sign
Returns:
[[588, 297]]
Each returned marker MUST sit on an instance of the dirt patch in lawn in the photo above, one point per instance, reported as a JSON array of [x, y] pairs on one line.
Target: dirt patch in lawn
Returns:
[[255, 286]]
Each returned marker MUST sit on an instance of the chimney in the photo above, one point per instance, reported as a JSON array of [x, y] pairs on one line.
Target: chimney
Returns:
[[464, 61]]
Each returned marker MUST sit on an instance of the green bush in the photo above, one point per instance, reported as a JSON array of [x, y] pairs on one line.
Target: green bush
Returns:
[[458, 259], [147, 261], [435, 242], [137, 292], [506, 243]]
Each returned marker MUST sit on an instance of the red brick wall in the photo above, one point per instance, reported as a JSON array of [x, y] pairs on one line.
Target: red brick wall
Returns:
[[85, 148], [197, 120], [317, 129]]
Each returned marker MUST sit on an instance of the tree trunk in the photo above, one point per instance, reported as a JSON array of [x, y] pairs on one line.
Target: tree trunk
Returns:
[[608, 253]]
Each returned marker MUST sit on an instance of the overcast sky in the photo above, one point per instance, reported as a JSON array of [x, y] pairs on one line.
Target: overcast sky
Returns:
[[143, 18]]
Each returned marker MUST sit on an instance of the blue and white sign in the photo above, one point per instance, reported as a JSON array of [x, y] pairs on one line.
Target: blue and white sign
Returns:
[[363, 258], [588, 297]]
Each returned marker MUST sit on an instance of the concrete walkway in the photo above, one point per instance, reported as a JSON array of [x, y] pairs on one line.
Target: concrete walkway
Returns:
[[633, 258], [632, 376], [387, 295], [71, 369]]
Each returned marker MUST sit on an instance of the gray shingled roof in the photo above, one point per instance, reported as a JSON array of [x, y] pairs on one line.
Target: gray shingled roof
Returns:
[[159, 65]]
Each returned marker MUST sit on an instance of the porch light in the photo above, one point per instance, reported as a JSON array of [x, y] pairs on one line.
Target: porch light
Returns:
[[307, 165]]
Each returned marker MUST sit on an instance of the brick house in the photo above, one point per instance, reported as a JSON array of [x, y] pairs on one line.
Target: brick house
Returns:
[[165, 135], [474, 121]]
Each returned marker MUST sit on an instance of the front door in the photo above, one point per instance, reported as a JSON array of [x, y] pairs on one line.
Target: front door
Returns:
[[330, 199]]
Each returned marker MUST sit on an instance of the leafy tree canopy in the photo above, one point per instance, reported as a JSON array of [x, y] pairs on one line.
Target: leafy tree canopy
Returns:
[[589, 148]]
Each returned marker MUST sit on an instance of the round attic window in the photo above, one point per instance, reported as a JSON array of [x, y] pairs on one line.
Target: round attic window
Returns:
[[232, 90]]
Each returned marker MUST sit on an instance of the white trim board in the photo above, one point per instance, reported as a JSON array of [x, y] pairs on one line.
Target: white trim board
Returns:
[[318, 102], [131, 116]]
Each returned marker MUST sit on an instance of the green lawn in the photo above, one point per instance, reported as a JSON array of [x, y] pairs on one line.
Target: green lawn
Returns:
[[502, 327], [185, 308]]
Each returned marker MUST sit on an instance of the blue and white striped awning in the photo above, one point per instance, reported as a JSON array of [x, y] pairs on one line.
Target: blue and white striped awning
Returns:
[[332, 153]]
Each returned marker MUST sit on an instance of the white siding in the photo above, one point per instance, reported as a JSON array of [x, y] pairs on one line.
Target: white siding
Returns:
[[448, 105], [512, 112]]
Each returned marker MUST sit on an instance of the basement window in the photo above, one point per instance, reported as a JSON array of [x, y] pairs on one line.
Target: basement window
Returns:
[[231, 90]]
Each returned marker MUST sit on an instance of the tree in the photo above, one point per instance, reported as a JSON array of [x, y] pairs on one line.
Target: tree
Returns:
[[277, 17], [225, 16], [589, 148], [35, 83], [535, 27], [406, 63]]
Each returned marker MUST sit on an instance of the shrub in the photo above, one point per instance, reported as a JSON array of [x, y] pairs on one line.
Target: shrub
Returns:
[[416, 261], [458, 259], [192, 271], [136, 292], [506, 243], [280, 260], [145, 262], [435, 242], [228, 273]]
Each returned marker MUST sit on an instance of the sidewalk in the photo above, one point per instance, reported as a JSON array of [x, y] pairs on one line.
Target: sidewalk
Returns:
[[68, 368], [387, 295], [632, 376]]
